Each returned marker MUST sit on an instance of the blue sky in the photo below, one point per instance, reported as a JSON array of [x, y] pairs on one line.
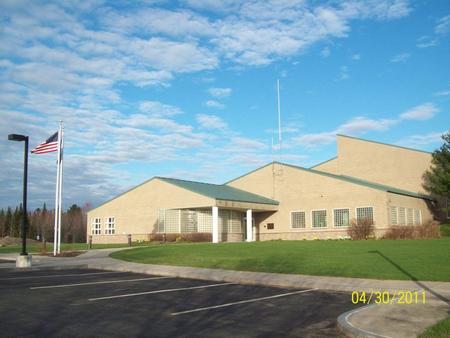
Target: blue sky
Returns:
[[187, 89]]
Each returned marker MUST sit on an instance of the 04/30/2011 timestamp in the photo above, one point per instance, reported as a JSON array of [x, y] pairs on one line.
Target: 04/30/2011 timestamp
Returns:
[[386, 297]]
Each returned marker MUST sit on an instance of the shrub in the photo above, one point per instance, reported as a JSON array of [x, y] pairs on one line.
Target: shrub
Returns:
[[183, 237], [197, 237], [423, 231], [363, 229], [430, 230]]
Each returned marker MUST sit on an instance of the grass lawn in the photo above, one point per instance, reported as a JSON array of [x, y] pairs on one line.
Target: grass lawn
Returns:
[[64, 247], [439, 330], [380, 259]]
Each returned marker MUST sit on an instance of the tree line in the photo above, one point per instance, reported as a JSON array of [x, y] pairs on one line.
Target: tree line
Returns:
[[40, 223]]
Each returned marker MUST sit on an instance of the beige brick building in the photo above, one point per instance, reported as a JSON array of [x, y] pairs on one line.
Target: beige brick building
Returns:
[[278, 201]]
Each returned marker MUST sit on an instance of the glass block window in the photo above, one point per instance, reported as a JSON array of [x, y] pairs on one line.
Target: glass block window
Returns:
[[110, 226], [188, 219], [319, 218], [394, 216], [417, 217], [224, 215], [97, 226], [401, 216], [409, 216], [341, 217], [235, 222], [298, 219], [169, 220], [364, 213], [204, 220]]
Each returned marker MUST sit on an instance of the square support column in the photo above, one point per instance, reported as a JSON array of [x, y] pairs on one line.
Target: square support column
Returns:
[[249, 226], [215, 225]]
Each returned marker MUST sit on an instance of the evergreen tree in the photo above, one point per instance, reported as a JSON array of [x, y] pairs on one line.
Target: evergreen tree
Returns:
[[16, 223], [8, 222], [437, 179], [2, 222]]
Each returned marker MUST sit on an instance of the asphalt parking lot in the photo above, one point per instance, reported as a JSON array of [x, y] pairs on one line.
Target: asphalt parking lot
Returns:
[[94, 303]]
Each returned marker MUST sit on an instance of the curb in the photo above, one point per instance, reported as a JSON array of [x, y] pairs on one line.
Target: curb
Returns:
[[349, 330]]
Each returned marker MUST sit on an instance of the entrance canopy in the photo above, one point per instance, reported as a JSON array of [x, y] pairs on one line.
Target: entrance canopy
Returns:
[[226, 196]]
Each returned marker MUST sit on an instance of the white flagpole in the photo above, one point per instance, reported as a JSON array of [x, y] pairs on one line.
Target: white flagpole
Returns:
[[61, 128], [279, 114], [55, 233]]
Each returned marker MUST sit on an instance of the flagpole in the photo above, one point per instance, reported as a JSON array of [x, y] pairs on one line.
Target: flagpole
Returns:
[[55, 236], [61, 128]]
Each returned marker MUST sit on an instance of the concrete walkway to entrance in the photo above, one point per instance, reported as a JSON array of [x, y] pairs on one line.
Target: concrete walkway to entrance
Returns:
[[383, 320]]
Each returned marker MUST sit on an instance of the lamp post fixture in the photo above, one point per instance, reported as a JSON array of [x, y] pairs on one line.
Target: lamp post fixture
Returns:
[[23, 261]]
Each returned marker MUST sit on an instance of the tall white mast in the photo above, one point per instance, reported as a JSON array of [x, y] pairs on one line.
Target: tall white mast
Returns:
[[279, 114], [57, 194], [61, 129]]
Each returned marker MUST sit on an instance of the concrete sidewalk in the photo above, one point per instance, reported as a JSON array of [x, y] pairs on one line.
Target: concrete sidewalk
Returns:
[[392, 320]]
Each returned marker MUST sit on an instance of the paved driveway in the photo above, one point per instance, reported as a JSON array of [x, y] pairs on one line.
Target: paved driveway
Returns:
[[97, 303]]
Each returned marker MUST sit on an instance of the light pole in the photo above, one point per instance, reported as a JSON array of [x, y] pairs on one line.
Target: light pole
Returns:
[[23, 260]]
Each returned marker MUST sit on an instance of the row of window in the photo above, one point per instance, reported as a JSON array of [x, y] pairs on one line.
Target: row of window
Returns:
[[341, 217], [405, 216], [110, 226]]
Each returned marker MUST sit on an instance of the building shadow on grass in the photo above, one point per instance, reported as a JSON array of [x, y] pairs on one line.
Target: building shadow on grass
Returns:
[[413, 278]]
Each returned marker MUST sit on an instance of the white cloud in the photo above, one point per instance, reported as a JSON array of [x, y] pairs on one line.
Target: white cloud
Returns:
[[400, 57], [155, 20], [315, 140], [442, 93], [443, 25], [79, 61], [214, 5], [422, 112], [244, 144], [362, 125], [210, 121], [325, 52], [172, 56], [426, 41], [356, 56], [421, 140], [343, 74], [156, 108], [220, 93], [214, 104]]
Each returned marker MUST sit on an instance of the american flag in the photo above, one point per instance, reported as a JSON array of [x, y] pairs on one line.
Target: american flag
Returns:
[[50, 145]]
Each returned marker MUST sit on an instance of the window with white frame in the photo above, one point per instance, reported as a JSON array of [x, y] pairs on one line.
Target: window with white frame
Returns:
[[401, 216], [341, 217], [298, 219], [364, 213], [417, 217], [319, 218], [97, 226], [110, 226], [394, 216], [409, 216]]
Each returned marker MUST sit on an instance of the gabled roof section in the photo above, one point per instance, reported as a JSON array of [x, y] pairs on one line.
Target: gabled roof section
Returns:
[[323, 162], [250, 172], [349, 179], [385, 144], [219, 191], [361, 182]]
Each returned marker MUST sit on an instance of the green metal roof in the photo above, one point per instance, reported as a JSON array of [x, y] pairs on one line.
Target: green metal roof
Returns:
[[219, 191]]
